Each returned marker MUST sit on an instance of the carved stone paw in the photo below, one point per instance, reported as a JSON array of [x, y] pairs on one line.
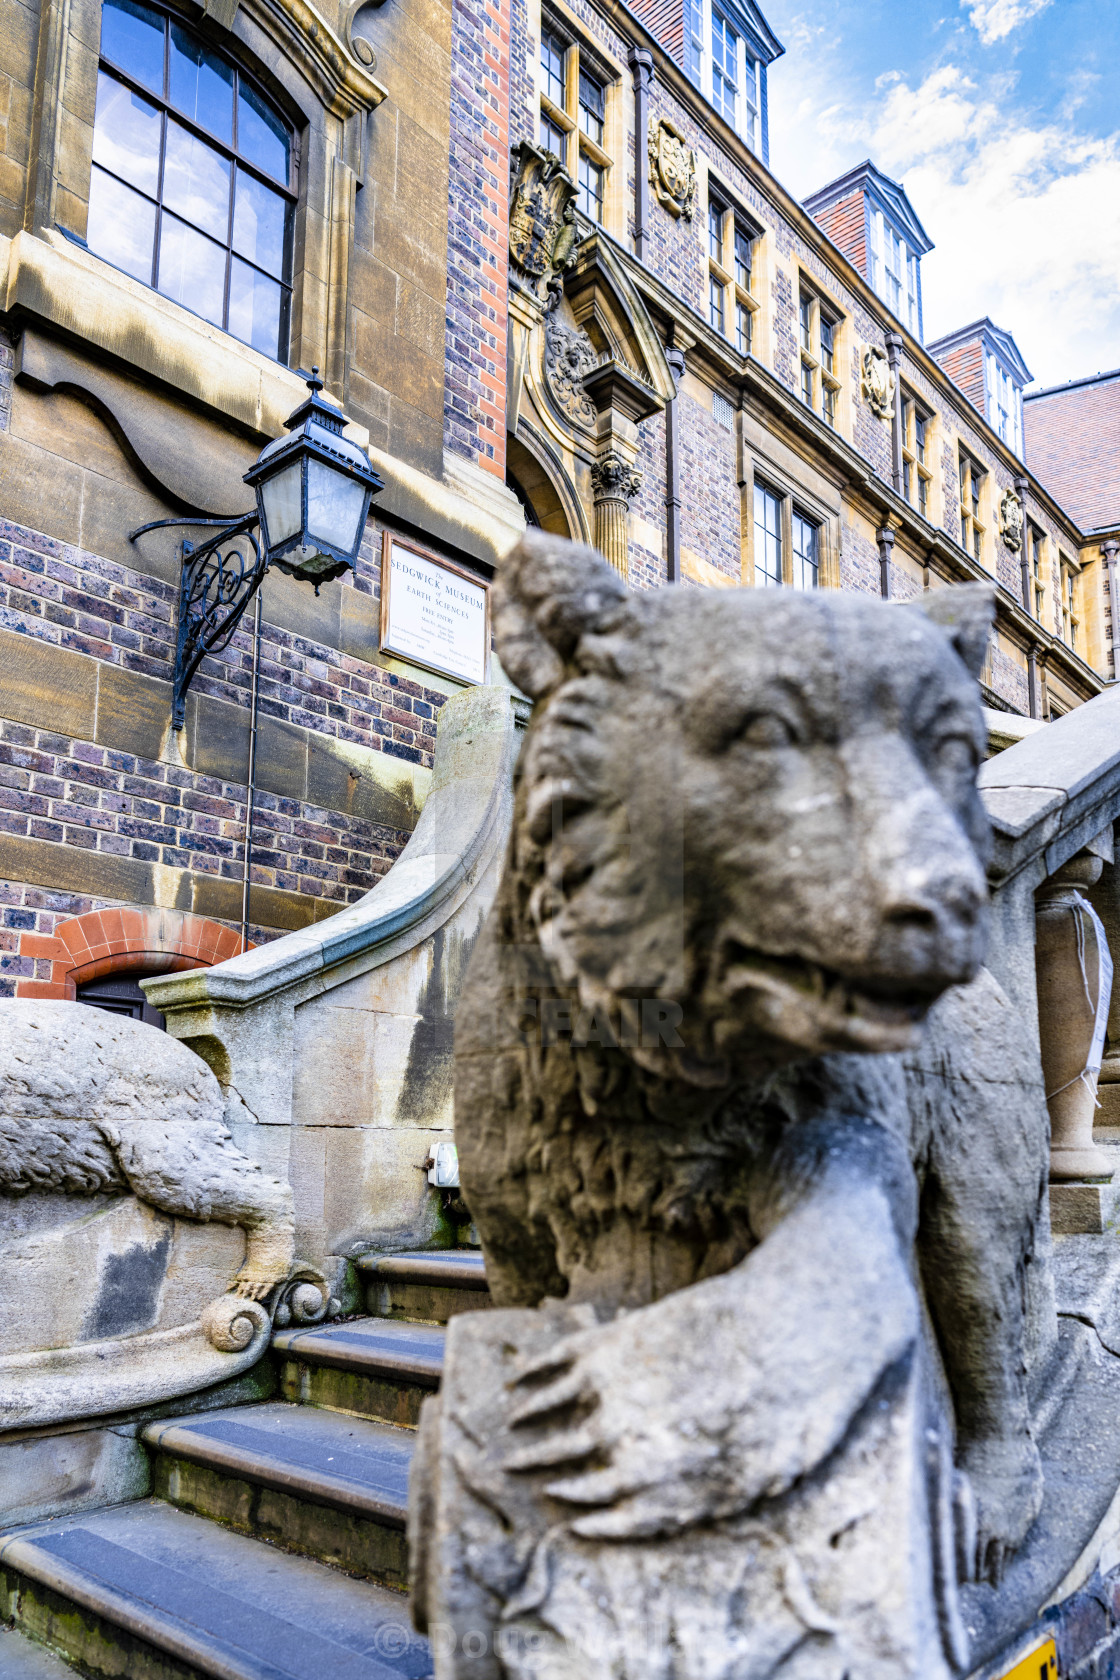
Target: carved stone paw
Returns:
[[1006, 1481]]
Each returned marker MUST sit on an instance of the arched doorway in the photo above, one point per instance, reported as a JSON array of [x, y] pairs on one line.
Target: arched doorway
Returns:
[[535, 491]]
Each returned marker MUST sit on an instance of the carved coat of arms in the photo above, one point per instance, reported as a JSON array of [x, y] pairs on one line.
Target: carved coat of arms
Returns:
[[672, 168], [877, 382], [1011, 519], [542, 231], [568, 355]]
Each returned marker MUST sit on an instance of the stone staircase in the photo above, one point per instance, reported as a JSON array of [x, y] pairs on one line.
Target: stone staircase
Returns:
[[273, 1547]]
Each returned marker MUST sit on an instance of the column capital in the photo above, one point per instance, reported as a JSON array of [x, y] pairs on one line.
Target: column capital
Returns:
[[613, 479]]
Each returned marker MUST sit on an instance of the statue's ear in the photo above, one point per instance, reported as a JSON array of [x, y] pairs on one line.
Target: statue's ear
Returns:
[[966, 612], [548, 592]]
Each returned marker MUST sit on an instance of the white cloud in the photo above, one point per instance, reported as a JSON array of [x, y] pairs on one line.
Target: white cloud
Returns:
[[994, 20], [1024, 218]]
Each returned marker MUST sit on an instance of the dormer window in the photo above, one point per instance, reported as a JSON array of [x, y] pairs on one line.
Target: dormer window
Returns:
[[193, 182], [725, 56], [894, 271], [1005, 403]]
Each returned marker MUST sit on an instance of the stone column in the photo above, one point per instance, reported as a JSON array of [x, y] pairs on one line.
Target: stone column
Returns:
[[613, 482], [1074, 971]]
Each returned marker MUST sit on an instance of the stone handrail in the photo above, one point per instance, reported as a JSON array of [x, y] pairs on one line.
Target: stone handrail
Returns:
[[239, 1014], [1049, 796]]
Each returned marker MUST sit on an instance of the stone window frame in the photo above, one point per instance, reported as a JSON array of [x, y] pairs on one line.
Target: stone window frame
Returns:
[[736, 299], [819, 385], [1070, 608], [794, 499], [578, 146], [972, 478], [1038, 559], [321, 83], [917, 471]]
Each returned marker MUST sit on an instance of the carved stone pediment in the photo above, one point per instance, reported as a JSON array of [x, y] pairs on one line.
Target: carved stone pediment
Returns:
[[672, 168], [606, 305], [543, 236], [568, 356], [1011, 520], [877, 382]]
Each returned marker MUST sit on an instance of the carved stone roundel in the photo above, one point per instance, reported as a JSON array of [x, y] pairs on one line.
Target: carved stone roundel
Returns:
[[568, 356]]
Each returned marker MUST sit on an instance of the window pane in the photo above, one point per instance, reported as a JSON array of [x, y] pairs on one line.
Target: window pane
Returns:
[[552, 65], [201, 84], [694, 41], [715, 231], [807, 383], [552, 138], [591, 189], [122, 226], [725, 68], [262, 135], [767, 538], [806, 553], [192, 269], [196, 182], [261, 225], [742, 329], [334, 505], [744, 256], [132, 36], [591, 109], [126, 134], [283, 504], [715, 303], [805, 315], [256, 310]]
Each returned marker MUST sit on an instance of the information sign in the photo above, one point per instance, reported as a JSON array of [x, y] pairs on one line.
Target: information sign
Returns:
[[434, 613]]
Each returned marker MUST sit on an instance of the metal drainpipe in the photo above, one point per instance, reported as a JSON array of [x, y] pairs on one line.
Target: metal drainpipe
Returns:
[[884, 536], [1022, 485], [641, 67], [1109, 549], [894, 358], [675, 359], [250, 790]]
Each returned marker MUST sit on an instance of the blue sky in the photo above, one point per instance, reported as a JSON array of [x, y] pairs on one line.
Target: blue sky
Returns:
[[1002, 119]]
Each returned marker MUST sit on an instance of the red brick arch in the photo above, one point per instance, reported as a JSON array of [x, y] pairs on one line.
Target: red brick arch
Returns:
[[117, 942]]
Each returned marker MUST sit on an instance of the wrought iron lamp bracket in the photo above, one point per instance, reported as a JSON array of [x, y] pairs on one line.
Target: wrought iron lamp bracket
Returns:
[[217, 582]]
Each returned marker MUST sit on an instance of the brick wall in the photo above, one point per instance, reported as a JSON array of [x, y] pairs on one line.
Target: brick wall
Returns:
[[130, 811], [478, 233]]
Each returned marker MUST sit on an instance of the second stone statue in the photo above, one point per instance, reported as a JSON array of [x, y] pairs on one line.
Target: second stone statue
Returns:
[[756, 1216]]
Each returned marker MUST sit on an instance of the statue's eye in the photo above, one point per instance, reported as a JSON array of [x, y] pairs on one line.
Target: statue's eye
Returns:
[[957, 755], [766, 729]]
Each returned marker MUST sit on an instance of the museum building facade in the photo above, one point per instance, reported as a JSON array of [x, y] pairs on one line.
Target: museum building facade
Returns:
[[539, 257]]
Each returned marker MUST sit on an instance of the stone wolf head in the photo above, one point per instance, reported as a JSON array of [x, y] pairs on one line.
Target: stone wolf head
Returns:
[[759, 804]]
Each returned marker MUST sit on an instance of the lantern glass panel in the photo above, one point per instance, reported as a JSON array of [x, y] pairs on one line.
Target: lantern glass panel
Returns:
[[334, 506], [281, 502]]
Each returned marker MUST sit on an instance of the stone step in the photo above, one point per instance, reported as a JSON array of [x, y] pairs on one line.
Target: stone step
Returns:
[[425, 1285], [167, 1595], [21, 1659], [370, 1367], [332, 1487]]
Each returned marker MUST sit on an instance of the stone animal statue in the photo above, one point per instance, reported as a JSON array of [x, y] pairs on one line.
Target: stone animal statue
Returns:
[[755, 1148], [92, 1102]]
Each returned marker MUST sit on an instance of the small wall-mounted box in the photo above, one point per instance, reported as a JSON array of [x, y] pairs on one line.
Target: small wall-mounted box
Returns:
[[443, 1166]]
